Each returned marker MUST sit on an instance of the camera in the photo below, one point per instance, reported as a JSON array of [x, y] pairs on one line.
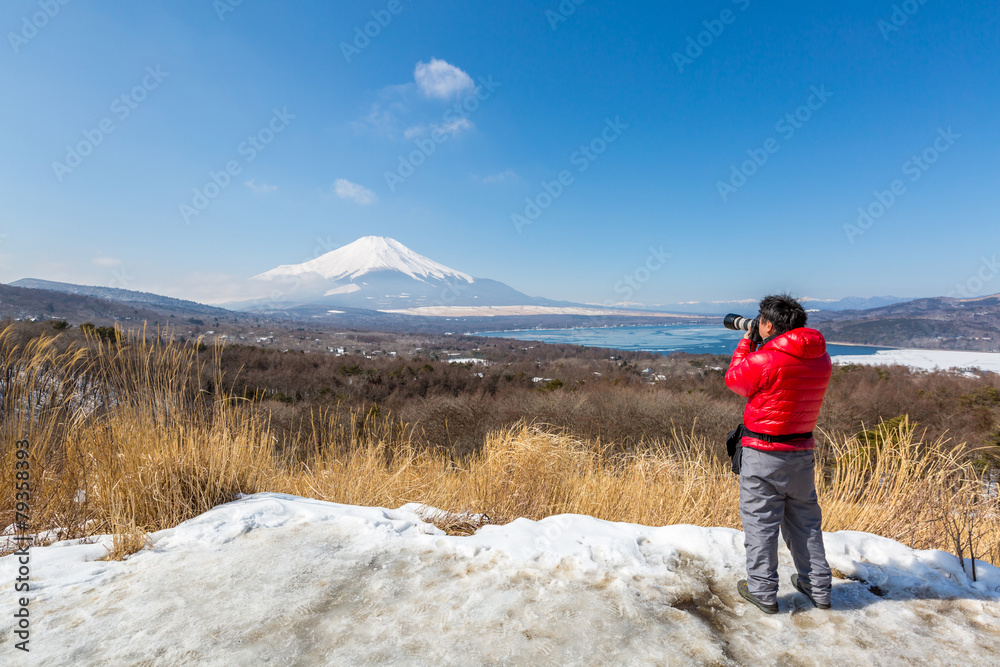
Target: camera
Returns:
[[739, 323]]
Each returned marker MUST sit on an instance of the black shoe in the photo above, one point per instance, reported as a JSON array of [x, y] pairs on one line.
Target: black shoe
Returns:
[[798, 587], [744, 591]]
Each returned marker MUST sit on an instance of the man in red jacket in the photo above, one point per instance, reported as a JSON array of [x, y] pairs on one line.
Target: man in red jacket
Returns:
[[785, 379]]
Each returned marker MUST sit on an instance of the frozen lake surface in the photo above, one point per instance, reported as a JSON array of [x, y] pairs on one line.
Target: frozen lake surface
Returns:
[[695, 339]]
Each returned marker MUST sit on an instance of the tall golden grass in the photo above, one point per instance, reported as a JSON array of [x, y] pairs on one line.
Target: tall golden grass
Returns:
[[123, 442]]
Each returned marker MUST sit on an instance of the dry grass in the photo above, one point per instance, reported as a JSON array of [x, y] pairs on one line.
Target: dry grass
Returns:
[[127, 540], [122, 424]]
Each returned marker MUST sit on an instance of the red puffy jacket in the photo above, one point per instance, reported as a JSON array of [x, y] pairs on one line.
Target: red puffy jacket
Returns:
[[785, 381]]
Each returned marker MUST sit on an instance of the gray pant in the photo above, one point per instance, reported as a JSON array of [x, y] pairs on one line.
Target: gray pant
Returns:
[[778, 490]]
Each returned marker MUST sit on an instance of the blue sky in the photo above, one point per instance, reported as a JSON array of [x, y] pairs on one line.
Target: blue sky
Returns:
[[668, 122]]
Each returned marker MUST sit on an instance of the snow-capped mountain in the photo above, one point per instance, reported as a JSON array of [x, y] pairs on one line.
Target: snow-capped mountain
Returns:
[[368, 255], [378, 273]]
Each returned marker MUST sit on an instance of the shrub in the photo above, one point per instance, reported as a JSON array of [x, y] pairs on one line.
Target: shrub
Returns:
[[982, 397]]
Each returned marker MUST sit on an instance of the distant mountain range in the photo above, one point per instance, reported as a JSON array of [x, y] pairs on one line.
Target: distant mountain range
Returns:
[[937, 323], [748, 307], [377, 282], [55, 302], [118, 295], [378, 273]]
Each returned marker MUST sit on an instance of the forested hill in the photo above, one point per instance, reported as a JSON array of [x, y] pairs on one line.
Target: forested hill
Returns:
[[937, 323]]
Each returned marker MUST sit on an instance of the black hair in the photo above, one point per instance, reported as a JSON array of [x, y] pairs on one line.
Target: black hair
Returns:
[[784, 312]]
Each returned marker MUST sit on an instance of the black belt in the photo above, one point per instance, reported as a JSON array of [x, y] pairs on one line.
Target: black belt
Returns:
[[788, 437], [735, 449]]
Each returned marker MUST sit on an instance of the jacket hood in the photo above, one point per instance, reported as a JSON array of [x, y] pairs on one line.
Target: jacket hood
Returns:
[[802, 342]]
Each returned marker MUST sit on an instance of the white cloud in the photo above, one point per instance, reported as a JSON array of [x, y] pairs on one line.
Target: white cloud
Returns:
[[452, 128], [398, 106], [441, 79], [107, 261], [503, 177], [414, 132], [391, 103], [261, 189], [344, 189], [455, 126]]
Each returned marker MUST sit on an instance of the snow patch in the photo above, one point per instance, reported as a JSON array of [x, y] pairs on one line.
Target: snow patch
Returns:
[[343, 289], [272, 578], [928, 360]]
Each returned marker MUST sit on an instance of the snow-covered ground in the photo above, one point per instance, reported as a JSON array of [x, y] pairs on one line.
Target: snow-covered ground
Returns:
[[927, 360], [276, 579]]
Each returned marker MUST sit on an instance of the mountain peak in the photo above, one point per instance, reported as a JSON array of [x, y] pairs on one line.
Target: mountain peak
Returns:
[[366, 255], [377, 273]]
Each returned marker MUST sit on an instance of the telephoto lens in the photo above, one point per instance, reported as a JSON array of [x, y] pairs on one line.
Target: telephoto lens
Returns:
[[739, 323]]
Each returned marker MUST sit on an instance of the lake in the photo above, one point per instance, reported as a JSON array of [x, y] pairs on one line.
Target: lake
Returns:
[[695, 339]]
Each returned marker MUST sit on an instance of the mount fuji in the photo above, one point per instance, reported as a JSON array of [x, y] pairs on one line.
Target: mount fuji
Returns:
[[379, 273]]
